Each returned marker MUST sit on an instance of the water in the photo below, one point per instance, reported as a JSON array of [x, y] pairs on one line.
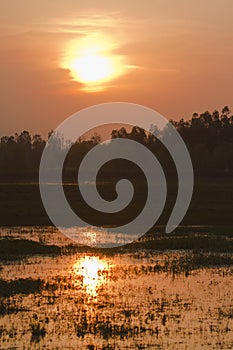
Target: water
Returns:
[[141, 300]]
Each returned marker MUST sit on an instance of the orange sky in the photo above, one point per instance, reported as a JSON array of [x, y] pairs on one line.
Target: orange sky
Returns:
[[178, 57]]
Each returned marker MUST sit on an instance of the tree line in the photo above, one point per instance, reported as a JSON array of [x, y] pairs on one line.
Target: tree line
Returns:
[[208, 137]]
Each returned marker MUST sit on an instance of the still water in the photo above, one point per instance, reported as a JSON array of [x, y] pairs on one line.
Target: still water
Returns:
[[122, 301]]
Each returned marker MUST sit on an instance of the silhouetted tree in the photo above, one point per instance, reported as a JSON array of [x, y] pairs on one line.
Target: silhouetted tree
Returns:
[[208, 136]]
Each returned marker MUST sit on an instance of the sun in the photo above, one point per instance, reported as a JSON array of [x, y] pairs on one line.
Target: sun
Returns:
[[91, 61], [92, 68]]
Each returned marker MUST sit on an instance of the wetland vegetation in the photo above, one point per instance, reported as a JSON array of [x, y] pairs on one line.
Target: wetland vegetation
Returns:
[[135, 297], [163, 291]]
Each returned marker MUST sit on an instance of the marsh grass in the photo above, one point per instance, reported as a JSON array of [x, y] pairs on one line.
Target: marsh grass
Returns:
[[20, 286], [38, 331], [21, 247], [201, 242], [134, 309]]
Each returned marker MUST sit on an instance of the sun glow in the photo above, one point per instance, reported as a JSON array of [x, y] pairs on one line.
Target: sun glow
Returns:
[[91, 62]]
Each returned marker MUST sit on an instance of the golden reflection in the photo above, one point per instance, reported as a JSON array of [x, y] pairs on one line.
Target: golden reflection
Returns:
[[92, 269]]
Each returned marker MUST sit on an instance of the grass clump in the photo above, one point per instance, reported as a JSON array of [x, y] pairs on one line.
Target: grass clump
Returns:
[[19, 247], [20, 286]]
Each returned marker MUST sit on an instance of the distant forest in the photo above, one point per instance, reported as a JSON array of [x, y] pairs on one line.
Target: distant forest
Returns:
[[208, 136]]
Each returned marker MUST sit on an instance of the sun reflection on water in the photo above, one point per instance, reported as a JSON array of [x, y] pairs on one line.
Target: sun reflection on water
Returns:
[[92, 270]]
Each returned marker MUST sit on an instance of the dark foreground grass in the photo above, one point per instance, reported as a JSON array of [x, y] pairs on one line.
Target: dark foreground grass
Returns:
[[208, 244], [211, 204], [20, 286], [19, 248]]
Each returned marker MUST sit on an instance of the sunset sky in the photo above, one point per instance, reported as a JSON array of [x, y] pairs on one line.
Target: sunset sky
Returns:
[[173, 56]]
